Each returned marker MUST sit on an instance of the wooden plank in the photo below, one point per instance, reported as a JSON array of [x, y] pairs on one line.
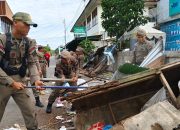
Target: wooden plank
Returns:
[[138, 76], [167, 86], [170, 66], [114, 119], [124, 82], [105, 90]]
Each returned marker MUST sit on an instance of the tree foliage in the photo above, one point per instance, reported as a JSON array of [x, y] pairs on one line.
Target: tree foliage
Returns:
[[47, 48], [122, 15], [87, 45]]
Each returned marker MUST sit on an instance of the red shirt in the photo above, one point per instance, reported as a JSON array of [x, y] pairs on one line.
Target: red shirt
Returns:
[[47, 55]]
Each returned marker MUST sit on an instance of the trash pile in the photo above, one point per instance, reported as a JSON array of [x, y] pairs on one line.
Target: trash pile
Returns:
[[100, 60], [151, 95]]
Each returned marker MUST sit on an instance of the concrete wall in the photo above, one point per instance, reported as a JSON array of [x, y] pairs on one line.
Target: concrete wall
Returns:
[[99, 44], [121, 58]]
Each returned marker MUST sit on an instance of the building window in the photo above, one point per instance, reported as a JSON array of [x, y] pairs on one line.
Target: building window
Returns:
[[94, 17], [88, 23], [5, 26]]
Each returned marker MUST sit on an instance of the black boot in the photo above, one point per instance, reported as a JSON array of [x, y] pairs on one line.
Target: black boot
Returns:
[[49, 108], [38, 102]]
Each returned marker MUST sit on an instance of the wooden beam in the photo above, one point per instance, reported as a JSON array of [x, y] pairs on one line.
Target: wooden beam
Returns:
[[167, 86], [102, 90], [171, 66], [137, 76], [112, 114]]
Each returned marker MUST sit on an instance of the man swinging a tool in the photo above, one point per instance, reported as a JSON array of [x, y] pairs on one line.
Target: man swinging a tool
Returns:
[[16, 56], [66, 68]]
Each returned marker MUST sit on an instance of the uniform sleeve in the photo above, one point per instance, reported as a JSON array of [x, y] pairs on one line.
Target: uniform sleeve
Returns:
[[37, 62], [149, 46], [76, 67], [32, 64], [4, 78], [59, 69]]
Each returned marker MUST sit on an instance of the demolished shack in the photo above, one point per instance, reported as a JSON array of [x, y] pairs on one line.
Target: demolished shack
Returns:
[[117, 100]]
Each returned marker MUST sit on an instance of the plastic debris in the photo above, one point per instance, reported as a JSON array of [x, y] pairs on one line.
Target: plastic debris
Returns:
[[59, 118], [67, 121], [63, 128]]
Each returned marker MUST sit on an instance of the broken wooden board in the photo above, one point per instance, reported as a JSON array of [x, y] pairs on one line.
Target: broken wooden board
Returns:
[[136, 84], [124, 98]]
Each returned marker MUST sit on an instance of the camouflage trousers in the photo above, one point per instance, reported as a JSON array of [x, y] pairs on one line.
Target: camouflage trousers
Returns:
[[22, 99], [36, 93], [60, 92], [44, 70]]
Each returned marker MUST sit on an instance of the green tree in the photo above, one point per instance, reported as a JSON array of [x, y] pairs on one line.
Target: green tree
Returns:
[[122, 15], [87, 45], [47, 48]]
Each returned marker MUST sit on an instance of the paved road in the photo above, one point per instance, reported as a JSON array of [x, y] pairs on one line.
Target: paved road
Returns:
[[13, 115]]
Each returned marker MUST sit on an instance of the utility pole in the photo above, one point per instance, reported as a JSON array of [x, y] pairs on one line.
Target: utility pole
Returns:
[[85, 18], [64, 22]]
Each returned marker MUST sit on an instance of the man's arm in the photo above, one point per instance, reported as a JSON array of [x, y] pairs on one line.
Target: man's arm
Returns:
[[32, 65], [149, 46]]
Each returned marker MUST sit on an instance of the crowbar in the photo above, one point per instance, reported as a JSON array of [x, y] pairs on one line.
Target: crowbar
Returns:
[[62, 87]]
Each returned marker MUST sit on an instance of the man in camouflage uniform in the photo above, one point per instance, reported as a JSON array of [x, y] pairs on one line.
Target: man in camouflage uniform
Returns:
[[19, 53], [37, 59], [80, 56], [66, 67], [42, 62], [142, 47]]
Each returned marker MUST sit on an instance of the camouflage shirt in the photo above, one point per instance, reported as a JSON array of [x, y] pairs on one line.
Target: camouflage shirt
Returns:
[[65, 69], [141, 50], [16, 53]]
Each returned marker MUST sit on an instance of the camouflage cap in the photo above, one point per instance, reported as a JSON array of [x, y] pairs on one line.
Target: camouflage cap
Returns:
[[24, 17], [141, 32], [66, 54]]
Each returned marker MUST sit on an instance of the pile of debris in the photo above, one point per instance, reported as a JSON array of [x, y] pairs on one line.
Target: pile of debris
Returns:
[[118, 102], [100, 60]]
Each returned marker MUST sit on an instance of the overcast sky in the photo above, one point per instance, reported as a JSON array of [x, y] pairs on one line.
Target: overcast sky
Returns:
[[49, 15]]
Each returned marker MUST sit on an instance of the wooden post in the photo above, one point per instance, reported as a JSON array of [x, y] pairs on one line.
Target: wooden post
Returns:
[[114, 119], [167, 86]]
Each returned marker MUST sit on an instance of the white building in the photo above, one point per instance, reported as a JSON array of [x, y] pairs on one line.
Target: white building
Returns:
[[91, 17]]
